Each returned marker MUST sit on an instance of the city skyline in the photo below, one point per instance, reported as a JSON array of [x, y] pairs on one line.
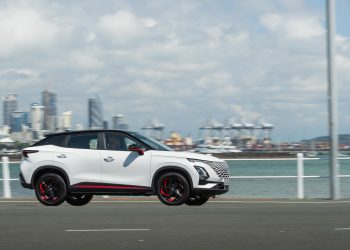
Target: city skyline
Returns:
[[180, 62]]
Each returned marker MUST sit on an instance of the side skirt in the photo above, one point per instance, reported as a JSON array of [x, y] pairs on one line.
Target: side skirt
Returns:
[[110, 189]]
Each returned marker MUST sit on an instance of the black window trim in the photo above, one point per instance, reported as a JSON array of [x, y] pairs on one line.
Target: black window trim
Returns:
[[104, 146]]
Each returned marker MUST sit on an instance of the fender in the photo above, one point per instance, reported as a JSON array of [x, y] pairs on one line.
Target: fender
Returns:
[[50, 167], [169, 168]]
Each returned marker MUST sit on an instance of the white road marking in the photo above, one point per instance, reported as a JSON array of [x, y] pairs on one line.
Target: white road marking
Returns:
[[341, 228], [108, 230], [267, 159]]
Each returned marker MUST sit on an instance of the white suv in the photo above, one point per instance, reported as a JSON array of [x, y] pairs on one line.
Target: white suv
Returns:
[[73, 166]]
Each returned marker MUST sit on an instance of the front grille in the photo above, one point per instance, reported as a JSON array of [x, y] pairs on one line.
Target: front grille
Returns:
[[222, 170]]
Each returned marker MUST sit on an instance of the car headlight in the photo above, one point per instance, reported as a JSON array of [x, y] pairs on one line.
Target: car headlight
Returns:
[[203, 174]]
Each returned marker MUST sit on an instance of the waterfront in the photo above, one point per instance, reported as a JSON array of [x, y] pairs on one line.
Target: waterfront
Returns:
[[257, 188]]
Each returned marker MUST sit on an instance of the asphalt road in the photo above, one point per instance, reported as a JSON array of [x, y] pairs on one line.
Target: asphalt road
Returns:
[[151, 225]]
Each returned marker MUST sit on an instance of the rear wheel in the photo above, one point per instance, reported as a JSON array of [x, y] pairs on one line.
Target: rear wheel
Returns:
[[50, 189], [78, 199], [172, 189], [197, 200]]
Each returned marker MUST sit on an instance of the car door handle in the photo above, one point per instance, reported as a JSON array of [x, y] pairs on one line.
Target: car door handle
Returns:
[[108, 159], [61, 156]]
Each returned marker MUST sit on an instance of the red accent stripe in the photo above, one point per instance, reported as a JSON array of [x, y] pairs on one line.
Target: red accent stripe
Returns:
[[109, 187]]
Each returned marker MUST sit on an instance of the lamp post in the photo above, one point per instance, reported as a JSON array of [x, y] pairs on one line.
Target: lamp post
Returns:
[[332, 102]]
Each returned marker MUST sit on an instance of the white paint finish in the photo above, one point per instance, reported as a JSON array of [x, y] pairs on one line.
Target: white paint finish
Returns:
[[128, 168]]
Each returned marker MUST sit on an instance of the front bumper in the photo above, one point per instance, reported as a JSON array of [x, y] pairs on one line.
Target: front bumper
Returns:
[[218, 189], [23, 182]]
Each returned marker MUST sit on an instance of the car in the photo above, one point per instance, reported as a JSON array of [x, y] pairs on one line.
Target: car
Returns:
[[73, 166]]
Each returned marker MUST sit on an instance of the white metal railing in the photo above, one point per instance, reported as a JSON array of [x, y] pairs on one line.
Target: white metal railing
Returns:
[[6, 177], [300, 177]]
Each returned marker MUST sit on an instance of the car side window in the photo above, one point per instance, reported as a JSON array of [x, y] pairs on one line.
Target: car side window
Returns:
[[119, 142], [83, 141]]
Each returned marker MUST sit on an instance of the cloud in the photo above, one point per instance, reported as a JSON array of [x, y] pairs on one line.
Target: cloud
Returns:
[[24, 28], [16, 74], [125, 25], [180, 61], [293, 27], [85, 60]]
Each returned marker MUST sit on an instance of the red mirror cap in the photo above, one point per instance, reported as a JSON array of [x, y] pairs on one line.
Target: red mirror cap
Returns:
[[138, 150]]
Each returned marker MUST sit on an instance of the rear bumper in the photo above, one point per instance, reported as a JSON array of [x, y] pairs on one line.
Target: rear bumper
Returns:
[[23, 182], [218, 189]]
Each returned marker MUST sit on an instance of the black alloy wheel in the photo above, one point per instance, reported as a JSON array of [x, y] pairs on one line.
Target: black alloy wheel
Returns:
[[50, 189], [78, 199], [172, 189], [198, 200]]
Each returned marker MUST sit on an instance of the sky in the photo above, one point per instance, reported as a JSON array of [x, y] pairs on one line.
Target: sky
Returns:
[[179, 61]]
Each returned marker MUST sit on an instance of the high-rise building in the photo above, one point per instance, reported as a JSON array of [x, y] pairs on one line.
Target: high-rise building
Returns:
[[37, 117], [10, 105], [19, 119], [65, 121], [95, 113], [118, 122], [50, 111]]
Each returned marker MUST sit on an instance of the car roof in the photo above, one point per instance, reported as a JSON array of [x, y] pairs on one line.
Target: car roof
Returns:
[[88, 131]]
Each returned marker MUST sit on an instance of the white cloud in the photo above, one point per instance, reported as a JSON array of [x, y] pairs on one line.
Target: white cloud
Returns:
[[85, 60], [172, 59], [293, 27], [272, 21], [24, 28], [149, 22], [124, 25]]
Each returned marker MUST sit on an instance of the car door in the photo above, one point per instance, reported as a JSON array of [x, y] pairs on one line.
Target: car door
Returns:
[[82, 157], [121, 166]]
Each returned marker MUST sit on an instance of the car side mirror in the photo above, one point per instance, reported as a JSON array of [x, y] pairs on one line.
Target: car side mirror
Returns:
[[138, 150]]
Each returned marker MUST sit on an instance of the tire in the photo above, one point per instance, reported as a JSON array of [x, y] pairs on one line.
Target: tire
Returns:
[[78, 199], [197, 201], [50, 189], [172, 189]]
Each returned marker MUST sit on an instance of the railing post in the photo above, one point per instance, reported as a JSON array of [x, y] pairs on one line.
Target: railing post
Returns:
[[6, 177], [300, 175]]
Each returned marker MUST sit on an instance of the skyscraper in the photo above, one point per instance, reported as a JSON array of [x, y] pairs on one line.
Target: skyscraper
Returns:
[[65, 121], [119, 122], [37, 117], [95, 113], [18, 120], [50, 111], [10, 105]]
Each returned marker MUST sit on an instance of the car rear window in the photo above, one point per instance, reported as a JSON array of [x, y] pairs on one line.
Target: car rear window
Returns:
[[56, 140]]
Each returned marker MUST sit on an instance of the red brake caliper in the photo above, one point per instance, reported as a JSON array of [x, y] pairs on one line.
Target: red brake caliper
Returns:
[[164, 185], [43, 194]]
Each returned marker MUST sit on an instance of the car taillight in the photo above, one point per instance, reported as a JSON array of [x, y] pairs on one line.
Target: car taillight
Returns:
[[26, 152]]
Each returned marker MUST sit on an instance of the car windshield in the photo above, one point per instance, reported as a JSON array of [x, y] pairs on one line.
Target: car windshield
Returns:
[[156, 145]]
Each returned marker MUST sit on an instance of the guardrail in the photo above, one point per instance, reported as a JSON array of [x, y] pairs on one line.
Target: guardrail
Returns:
[[300, 177]]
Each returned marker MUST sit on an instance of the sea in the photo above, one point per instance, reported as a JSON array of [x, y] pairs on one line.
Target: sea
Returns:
[[255, 188]]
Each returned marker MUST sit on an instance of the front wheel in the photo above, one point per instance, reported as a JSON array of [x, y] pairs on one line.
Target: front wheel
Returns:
[[197, 200], [78, 199], [50, 189], [172, 189]]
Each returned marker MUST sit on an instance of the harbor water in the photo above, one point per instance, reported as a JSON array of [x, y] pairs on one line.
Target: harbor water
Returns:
[[256, 188]]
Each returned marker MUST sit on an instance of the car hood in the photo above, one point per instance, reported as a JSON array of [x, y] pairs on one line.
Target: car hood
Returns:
[[178, 154]]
